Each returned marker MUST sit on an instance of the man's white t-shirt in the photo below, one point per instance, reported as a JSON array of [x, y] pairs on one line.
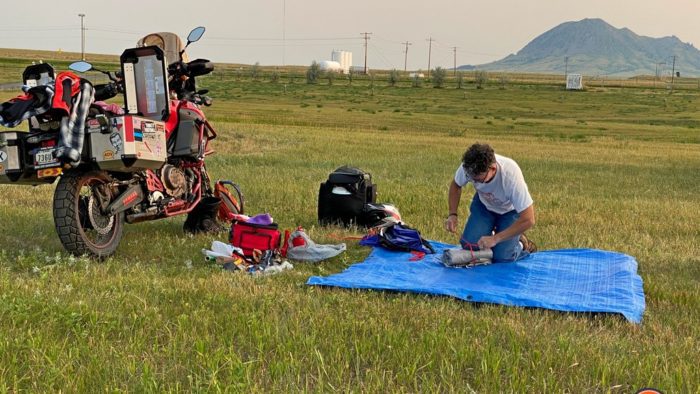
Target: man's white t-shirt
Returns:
[[505, 192]]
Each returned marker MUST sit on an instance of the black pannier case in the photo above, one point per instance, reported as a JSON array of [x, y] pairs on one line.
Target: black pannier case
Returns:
[[342, 198]]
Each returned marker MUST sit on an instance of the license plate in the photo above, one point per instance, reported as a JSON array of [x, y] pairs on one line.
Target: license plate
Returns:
[[44, 158]]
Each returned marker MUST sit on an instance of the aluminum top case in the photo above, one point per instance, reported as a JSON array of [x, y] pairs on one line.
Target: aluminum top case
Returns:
[[145, 82]]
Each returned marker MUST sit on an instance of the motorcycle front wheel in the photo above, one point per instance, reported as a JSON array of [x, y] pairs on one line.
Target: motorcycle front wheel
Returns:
[[77, 213]]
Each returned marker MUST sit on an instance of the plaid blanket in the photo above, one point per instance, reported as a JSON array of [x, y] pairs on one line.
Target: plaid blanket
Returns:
[[35, 101], [72, 133]]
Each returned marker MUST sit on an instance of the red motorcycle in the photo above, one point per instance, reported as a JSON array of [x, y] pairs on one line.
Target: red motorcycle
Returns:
[[116, 165]]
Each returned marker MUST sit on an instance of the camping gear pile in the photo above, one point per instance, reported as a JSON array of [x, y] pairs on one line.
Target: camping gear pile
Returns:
[[232, 258], [256, 246], [253, 246], [347, 198]]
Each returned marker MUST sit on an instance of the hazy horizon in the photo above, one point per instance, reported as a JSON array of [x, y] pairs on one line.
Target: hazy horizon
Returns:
[[293, 32]]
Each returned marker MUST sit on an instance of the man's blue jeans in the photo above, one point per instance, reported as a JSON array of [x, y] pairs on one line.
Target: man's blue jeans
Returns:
[[484, 222]]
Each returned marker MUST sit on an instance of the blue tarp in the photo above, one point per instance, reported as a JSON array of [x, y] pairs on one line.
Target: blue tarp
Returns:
[[572, 280]]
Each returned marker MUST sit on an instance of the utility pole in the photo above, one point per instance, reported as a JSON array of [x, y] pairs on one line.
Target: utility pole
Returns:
[[82, 36], [284, 30], [430, 49], [656, 76], [405, 56], [673, 72], [366, 38], [454, 49]]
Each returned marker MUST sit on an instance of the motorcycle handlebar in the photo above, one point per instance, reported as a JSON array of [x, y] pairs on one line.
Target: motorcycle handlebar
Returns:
[[199, 99], [106, 91]]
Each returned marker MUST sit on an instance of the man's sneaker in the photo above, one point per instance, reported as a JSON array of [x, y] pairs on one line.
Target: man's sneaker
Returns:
[[527, 244]]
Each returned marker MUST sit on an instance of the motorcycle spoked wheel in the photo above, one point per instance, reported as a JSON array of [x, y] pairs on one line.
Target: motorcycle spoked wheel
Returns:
[[81, 227]]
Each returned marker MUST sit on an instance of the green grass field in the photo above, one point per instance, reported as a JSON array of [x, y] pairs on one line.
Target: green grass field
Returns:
[[609, 168]]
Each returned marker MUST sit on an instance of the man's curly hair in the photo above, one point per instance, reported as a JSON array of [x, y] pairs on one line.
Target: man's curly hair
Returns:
[[478, 158]]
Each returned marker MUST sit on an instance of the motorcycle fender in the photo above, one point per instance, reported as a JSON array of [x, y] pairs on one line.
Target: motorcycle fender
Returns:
[[128, 199]]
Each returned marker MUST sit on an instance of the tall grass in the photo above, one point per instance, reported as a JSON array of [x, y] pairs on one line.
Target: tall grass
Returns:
[[614, 169]]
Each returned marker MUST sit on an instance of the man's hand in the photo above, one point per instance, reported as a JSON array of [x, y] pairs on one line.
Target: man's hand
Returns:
[[487, 242], [451, 223]]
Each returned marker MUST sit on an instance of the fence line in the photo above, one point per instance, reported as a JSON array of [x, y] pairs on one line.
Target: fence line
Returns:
[[381, 78]]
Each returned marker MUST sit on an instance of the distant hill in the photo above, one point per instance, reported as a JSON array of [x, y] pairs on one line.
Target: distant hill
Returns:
[[594, 47]]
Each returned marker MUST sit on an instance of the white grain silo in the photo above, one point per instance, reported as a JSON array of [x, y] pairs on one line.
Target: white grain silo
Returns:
[[344, 58], [330, 65]]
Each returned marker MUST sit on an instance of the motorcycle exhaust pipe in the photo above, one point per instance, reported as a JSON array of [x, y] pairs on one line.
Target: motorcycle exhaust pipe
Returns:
[[131, 196], [150, 214]]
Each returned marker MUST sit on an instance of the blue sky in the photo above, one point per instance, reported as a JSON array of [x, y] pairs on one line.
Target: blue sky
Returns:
[[276, 32]]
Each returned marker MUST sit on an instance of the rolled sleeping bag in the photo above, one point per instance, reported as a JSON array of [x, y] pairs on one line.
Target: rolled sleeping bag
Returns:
[[464, 258]]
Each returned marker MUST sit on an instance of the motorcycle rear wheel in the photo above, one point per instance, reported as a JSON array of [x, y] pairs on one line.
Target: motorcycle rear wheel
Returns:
[[81, 227]]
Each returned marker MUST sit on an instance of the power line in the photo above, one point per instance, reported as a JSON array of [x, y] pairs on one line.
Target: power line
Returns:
[[387, 40], [44, 29], [277, 39], [388, 63], [117, 31]]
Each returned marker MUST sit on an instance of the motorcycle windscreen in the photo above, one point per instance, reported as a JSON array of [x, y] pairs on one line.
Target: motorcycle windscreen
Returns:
[[145, 82]]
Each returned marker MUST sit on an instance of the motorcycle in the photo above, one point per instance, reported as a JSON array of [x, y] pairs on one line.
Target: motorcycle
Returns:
[[117, 165]]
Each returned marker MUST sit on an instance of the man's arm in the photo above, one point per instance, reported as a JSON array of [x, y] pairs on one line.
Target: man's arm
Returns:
[[453, 202], [524, 223]]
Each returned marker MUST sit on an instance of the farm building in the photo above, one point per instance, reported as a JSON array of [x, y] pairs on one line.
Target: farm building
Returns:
[[340, 62]]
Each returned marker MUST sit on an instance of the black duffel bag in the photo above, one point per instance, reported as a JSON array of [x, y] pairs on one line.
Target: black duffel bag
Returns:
[[342, 198]]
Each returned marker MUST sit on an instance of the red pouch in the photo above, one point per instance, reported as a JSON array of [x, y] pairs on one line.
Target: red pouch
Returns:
[[250, 236]]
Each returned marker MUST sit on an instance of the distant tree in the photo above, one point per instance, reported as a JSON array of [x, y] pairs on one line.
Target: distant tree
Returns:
[[417, 81], [460, 81], [351, 75], [371, 80], [330, 76], [439, 75], [313, 73], [504, 80], [480, 78], [275, 76], [393, 77], [255, 71]]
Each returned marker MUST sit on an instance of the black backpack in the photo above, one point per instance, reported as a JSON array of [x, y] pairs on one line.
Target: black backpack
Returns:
[[342, 198]]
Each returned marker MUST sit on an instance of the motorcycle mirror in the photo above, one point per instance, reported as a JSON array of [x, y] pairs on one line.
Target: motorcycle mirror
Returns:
[[195, 34], [80, 66]]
